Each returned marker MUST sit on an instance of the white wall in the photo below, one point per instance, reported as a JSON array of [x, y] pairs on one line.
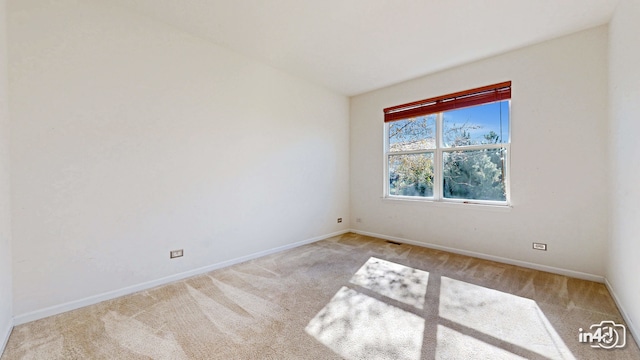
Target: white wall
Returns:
[[624, 80], [559, 145], [131, 138], [5, 215]]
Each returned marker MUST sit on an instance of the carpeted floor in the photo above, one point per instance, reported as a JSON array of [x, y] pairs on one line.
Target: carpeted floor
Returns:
[[351, 297]]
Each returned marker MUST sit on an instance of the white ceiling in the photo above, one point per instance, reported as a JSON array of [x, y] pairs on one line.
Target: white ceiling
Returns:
[[355, 46]]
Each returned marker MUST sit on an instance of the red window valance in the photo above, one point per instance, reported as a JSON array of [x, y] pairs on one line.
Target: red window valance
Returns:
[[472, 97]]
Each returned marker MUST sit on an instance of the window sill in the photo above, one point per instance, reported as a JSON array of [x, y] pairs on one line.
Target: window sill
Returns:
[[449, 204]]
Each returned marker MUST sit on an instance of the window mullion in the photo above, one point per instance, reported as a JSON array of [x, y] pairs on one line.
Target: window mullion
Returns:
[[409, 152], [437, 161], [476, 147]]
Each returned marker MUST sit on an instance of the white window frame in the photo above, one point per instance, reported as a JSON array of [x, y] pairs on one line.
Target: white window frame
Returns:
[[438, 194]]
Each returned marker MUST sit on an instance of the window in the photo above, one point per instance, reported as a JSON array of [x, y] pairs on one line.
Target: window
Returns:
[[451, 148]]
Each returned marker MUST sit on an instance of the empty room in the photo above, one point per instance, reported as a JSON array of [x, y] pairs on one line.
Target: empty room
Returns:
[[210, 179]]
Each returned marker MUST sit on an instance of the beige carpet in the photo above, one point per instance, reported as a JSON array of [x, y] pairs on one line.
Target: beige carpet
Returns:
[[351, 297]]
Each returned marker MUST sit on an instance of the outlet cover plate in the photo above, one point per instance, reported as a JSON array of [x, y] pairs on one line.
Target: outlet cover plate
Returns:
[[540, 246]]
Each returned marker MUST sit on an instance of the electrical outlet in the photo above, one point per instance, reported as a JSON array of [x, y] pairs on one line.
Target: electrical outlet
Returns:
[[339, 220], [176, 253], [540, 246]]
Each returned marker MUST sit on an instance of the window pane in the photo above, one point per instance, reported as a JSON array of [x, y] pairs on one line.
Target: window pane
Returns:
[[411, 175], [483, 124], [413, 134], [474, 175]]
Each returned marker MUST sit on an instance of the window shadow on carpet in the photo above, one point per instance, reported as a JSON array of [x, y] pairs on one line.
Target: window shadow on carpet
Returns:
[[393, 311]]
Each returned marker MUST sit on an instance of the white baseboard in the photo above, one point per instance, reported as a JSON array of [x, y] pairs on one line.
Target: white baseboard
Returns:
[[631, 329], [4, 338], [76, 304], [551, 269]]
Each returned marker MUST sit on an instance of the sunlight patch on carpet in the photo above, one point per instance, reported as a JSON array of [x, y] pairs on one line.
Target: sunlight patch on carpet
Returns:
[[392, 280], [357, 326], [501, 316], [455, 345]]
